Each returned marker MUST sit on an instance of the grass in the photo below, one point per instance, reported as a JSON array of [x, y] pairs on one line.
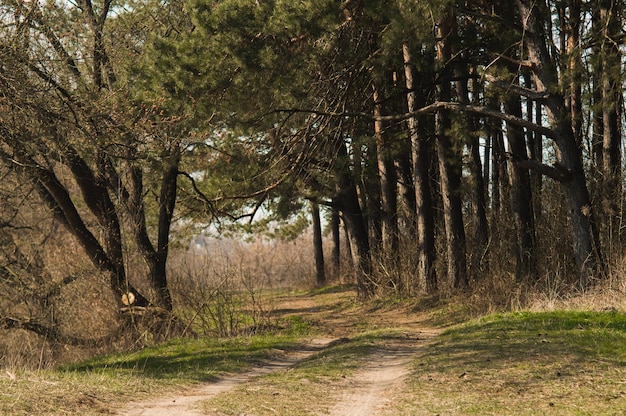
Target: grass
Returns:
[[189, 360], [96, 386], [549, 363]]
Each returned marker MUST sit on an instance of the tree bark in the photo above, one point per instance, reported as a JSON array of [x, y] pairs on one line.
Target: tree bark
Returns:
[[479, 213], [388, 181], [521, 199], [611, 111], [574, 71], [335, 228], [347, 201]]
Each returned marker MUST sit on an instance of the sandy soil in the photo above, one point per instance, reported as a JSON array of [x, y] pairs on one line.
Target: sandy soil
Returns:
[[370, 392]]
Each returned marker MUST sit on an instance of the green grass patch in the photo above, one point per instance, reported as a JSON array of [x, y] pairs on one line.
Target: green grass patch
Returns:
[[523, 364], [98, 385], [192, 360]]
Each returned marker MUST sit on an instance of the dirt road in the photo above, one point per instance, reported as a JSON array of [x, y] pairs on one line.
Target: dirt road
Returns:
[[368, 392]]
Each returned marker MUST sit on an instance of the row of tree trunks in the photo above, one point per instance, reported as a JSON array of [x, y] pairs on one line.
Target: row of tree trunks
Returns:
[[607, 23], [584, 233], [515, 184]]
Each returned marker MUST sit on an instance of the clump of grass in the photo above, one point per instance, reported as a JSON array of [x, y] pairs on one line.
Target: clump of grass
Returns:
[[559, 362]]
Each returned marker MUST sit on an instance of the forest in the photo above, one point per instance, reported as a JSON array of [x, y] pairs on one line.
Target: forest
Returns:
[[436, 147]]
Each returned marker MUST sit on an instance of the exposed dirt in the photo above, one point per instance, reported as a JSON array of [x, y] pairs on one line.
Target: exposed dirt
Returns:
[[369, 392], [374, 387]]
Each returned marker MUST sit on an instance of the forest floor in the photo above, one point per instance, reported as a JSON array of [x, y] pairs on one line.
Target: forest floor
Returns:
[[371, 385]]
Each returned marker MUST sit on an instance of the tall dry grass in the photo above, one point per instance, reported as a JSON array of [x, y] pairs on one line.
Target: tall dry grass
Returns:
[[224, 287]]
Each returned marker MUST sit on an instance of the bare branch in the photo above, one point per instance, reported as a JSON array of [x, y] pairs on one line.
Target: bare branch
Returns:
[[54, 334], [57, 45]]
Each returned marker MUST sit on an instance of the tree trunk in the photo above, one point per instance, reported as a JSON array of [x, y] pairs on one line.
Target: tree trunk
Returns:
[[535, 146], [370, 191], [167, 202], [479, 213], [611, 111], [521, 198], [450, 162], [367, 193], [155, 258], [597, 140], [336, 236], [420, 152], [318, 248], [404, 166], [347, 202], [388, 182]]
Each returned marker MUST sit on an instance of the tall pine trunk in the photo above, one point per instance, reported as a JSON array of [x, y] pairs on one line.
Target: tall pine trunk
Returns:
[[421, 152], [450, 160], [521, 198], [388, 181], [347, 201], [611, 86]]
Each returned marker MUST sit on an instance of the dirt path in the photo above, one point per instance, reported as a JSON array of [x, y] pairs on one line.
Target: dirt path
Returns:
[[184, 404], [369, 392], [374, 387]]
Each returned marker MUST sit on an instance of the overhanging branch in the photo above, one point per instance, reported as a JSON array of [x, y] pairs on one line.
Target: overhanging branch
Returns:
[[431, 108], [512, 87]]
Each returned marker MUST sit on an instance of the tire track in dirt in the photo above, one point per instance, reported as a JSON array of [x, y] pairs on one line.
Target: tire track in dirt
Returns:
[[183, 404], [373, 389]]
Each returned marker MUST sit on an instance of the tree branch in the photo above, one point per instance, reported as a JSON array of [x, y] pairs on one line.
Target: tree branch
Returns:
[[524, 92], [57, 45], [55, 335], [556, 172], [431, 108]]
